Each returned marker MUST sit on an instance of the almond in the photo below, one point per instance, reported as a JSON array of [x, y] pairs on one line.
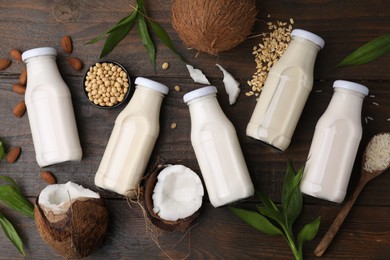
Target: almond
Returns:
[[4, 63], [48, 177], [66, 44], [76, 63], [19, 88], [15, 54], [13, 154], [19, 109], [23, 77]]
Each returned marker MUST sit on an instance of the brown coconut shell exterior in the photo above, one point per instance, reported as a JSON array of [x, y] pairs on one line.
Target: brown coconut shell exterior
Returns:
[[80, 230], [213, 26], [149, 184]]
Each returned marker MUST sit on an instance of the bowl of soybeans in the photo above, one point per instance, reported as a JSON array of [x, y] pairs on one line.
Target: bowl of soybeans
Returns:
[[106, 84]]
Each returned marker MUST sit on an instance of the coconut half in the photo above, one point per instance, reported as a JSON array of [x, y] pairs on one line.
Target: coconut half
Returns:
[[71, 219], [173, 196]]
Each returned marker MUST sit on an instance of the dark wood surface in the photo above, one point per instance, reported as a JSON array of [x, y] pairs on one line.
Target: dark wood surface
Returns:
[[345, 25]]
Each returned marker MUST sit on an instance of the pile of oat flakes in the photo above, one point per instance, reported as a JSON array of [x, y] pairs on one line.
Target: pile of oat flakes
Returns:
[[267, 52]]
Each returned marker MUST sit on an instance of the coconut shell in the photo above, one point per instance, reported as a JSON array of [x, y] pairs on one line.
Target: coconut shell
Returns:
[[78, 232], [150, 183], [213, 26]]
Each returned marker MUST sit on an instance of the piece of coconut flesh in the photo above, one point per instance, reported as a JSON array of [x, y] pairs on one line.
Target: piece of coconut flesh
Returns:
[[178, 193], [231, 85], [197, 75], [57, 198]]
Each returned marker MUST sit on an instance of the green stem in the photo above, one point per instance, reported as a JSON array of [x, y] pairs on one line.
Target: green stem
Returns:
[[290, 239]]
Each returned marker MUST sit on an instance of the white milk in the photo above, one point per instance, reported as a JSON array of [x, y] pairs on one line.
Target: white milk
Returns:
[[335, 143], [132, 140], [50, 110], [285, 91], [217, 149]]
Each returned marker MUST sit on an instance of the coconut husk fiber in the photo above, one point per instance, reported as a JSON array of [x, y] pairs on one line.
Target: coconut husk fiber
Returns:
[[213, 26]]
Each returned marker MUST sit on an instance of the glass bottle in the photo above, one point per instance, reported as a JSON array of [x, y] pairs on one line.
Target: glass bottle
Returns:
[[335, 144], [50, 110], [285, 91], [217, 149], [132, 140]]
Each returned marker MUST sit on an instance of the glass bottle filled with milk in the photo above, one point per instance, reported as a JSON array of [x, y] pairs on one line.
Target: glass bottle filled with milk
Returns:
[[335, 144], [217, 149], [132, 140], [285, 91], [50, 110]]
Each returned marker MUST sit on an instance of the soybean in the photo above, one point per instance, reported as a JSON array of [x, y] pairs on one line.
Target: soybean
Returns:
[[106, 80]]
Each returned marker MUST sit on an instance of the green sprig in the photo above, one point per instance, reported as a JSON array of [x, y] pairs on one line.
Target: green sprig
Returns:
[[143, 32], [368, 52], [12, 197], [276, 220], [139, 18]]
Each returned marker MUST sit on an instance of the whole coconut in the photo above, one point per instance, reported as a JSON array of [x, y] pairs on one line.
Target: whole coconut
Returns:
[[213, 26]]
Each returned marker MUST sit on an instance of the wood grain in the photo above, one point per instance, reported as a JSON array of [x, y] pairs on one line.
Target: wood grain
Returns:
[[345, 26]]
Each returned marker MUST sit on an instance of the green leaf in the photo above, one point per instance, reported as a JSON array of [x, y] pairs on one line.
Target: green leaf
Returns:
[[288, 187], [11, 233], [270, 209], [125, 20], [368, 52], [2, 152], [115, 37], [266, 199], [292, 199], [288, 179], [308, 232], [163, 36], [298, 177], [294, 208], [10, 181], [97, 39], [272, 214], [11, 196], [257, 221], [145, 38], [120, 25]]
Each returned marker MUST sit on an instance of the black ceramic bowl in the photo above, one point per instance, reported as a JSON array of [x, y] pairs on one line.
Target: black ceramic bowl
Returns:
[[106, 84]]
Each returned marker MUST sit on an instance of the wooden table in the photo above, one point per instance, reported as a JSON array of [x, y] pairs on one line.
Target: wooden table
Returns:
[[345, 26]]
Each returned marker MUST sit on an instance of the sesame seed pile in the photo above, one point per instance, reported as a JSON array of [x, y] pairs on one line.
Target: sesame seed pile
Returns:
[[268, 51]]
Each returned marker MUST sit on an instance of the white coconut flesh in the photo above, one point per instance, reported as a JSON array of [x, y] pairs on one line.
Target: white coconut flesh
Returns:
[[178, 193], [231, 85], [197, 75], [57, 198]]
